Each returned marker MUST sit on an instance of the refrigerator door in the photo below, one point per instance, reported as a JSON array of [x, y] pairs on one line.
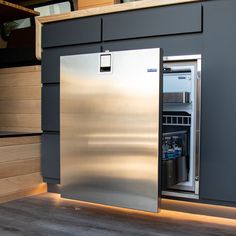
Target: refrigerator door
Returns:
[[110, 128]]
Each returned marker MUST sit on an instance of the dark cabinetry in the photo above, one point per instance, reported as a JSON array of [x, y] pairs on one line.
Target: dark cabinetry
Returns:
[[59, 39], [51, 59], [218, 161], [51, 157], [72, 32], [51, 107], [173, 45], [205, 28], [170, 20]]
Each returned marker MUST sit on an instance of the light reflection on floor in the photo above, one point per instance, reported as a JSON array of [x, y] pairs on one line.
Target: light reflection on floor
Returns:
[[178, 216]]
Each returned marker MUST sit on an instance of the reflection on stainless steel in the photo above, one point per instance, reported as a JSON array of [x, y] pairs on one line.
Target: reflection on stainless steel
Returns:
[[110, 129]]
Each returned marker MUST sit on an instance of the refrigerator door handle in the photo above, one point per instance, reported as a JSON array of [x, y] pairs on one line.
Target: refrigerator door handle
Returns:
[[105, 62]]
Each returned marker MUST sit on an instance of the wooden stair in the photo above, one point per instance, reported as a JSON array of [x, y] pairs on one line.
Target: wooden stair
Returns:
[[20, 168]]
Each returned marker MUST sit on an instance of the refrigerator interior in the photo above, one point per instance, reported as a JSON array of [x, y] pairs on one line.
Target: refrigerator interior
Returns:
[[181, 126]]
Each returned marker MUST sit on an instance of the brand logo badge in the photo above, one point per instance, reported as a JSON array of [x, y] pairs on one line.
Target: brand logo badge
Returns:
[[152, 70]]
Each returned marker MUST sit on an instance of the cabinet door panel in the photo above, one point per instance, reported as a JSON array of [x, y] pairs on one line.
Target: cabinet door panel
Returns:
[[168, 20], [172, 45], [69, 32], [51, 60], [51, 107], [218, 160], [51, 157]]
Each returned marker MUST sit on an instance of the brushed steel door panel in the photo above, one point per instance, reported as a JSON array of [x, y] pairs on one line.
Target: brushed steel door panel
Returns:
[[109, 124]]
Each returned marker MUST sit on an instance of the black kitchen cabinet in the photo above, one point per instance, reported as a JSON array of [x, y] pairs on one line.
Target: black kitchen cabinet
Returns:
[[205, 28], [51, 59], [218, 161], [172, 45], [51, 107], [51, 90], [71, 32], [51, 157], [169, 20], [216, 44]]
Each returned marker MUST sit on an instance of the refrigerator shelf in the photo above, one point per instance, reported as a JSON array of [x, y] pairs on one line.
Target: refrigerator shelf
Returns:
[[176, 120]]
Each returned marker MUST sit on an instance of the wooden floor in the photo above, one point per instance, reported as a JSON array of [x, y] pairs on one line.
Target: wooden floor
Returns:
[[48, 215]]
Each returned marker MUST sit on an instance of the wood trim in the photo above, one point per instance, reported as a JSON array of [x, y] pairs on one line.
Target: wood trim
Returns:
[[22, 69], [20, 152], [99, 11], [20, 167], [31, 121], [21, 129], [38, 39], [20, 93], [111, 9], [14, 184], [85, 4], [20, 107], [34, 190], [20, 99], [21, 186], [12, 141], [20, 79]]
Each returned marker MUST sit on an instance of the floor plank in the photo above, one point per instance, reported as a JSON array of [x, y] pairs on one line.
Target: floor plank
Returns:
[[47, 214]]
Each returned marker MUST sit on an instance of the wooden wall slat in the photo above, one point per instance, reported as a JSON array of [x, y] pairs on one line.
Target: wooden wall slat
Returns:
[[12, 141], [19, 152], [20, 120], [84, 4], [20, 79], [20, 129], [31, 191], [20, 99], [20, 107], [16, 184], [22, 69], [20, 93], [21, 167]]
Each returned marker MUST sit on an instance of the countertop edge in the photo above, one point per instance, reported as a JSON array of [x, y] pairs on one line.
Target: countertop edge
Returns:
[[111, 9]]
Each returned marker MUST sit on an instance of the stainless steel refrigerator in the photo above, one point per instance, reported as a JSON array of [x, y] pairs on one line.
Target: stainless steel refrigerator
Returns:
[[110, 128]]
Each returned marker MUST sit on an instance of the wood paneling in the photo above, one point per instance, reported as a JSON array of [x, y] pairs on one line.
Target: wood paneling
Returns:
[[20, 167], [19, 152], [84, 4], [20, 121], [21, 186], [19, 93], [20, 99], [14, 141], [20, 110], [20, 107], [20, 79], [22, 69]]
